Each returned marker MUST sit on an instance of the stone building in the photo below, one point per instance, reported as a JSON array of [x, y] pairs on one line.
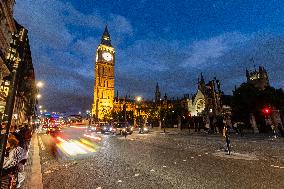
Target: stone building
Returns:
[[25, 101], [259, 78], [7, 28], [104, 78], [207, 99]]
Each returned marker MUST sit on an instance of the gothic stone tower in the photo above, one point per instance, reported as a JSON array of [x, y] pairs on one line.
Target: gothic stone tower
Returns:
[[259, 78], [104, 78], [157, 94]]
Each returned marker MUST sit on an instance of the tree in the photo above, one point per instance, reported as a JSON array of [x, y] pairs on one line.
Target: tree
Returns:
[[248, 99]]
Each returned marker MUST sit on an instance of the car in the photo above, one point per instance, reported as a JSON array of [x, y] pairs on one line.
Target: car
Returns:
[[121, 127], [52, 130], [102, 127], [106, 128], [92, 128], [144, 129]]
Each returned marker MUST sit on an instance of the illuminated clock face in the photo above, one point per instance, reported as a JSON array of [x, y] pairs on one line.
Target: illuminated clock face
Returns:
[[107, 56]]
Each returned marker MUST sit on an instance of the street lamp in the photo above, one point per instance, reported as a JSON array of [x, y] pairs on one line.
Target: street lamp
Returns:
[[38, 96], [138, 100], [40, 84], [40, 106]]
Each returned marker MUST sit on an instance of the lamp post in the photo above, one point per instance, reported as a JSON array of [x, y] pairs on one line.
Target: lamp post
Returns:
[[138, 100], [16, 60]]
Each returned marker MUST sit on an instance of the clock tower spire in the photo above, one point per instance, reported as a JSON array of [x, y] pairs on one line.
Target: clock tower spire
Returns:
[[104, 78], [106, 38]]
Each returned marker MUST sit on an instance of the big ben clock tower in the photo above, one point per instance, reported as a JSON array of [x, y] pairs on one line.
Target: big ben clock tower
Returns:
[[104, 78]]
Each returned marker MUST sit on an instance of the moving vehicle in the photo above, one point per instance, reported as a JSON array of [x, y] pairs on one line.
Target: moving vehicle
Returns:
[[102, 127], [123, 127], [106, 128], [143, 129]]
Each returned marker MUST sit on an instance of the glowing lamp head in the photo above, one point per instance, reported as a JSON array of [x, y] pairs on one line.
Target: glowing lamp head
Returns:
[[138, 98], [40, 84]]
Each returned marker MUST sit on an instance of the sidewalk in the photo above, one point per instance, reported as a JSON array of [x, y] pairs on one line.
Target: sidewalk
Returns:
[[33, 173]]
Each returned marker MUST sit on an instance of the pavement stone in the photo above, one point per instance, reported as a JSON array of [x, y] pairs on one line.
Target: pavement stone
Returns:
[[33, 174]]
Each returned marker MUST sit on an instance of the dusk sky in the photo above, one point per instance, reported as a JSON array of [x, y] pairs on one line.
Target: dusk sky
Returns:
[[166, 41]]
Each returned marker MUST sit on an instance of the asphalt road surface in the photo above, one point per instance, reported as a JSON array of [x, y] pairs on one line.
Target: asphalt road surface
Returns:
[[78, 159]]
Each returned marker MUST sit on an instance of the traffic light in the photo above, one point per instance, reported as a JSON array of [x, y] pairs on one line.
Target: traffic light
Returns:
[[266, 111]]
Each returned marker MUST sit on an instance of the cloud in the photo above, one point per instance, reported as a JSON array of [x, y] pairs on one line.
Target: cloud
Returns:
[[63, 42], [204, 52], [176, 66]]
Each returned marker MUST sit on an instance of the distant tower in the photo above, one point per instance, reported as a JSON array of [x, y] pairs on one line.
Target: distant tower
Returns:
[[258, 78], [201, 83], [104, 78], [157, 94]]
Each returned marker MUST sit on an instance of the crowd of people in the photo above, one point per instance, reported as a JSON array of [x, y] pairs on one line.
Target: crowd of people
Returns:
[[17, 150]]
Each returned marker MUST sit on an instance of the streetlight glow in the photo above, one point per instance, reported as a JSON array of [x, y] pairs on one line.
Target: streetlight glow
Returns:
[[38, 96], [40, 84], [138, 98], [39, 106]]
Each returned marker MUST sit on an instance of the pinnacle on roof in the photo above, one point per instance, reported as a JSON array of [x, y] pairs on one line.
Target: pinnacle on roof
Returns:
[[106, 38]]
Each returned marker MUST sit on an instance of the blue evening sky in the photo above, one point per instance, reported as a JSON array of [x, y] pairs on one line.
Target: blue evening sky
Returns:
[[166, 41]]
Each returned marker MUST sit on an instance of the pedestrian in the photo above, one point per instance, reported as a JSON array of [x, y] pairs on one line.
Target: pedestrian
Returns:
[[273, 128], [280, 128], [227, 125]]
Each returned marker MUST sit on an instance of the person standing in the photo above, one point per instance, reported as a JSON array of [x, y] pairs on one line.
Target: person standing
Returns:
[[227, 125]]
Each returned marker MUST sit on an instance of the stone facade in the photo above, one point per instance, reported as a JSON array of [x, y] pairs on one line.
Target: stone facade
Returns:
[[7, 28], [104, 78], [258, 78]]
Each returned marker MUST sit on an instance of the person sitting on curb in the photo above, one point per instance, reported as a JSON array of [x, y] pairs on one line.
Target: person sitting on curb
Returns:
[[13, 156]]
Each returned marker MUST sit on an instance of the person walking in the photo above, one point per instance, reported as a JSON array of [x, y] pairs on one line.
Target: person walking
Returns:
[[227, 124], [274, 132]]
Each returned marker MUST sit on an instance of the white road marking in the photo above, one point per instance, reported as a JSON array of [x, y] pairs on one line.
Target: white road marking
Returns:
[[206, 153], [152, 170], [119, 181], [164, 166], [99, 188], [276, 166], [175, 162], [192, 157], [136, 175], [184, 160], [199, 155], [41, 143]]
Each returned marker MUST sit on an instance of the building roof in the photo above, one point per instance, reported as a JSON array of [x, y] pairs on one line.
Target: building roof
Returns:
[[106, 38]]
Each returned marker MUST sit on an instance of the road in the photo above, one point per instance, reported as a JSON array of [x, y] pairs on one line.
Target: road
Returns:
[[156, 160]]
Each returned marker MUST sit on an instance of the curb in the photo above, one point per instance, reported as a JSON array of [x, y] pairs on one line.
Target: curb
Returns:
[[36, 176]]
